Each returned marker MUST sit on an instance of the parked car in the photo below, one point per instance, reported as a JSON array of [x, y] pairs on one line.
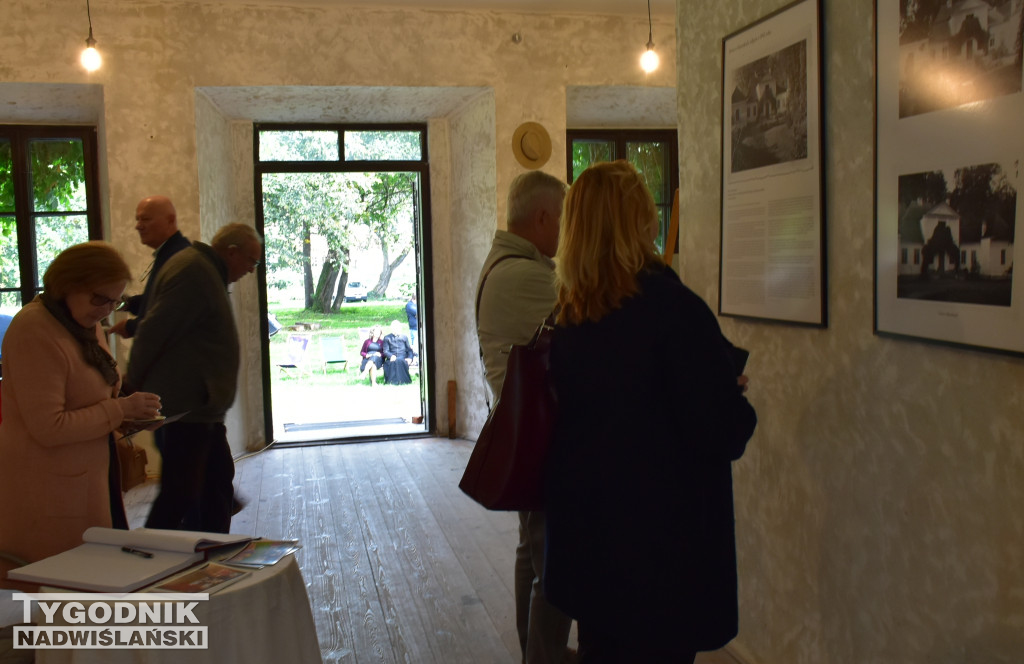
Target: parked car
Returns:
[[355, 292]]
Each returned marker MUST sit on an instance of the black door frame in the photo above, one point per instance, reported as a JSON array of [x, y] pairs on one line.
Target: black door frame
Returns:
[[422, 244]]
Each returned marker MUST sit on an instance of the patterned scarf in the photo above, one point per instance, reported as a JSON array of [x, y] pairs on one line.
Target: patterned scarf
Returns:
[[93, 353]]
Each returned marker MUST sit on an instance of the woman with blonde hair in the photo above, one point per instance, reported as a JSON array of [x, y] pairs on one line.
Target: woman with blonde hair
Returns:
[[640, 544], [58, 470]]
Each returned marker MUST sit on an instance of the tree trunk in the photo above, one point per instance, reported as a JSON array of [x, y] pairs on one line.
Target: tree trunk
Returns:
[[339, 298], [324, 296], [307, 267], [389, 268]]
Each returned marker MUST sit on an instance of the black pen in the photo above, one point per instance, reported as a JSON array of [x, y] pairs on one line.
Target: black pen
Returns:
[[137, 552]]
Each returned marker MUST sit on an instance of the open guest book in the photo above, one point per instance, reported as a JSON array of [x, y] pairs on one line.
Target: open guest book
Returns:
[[113, 560]]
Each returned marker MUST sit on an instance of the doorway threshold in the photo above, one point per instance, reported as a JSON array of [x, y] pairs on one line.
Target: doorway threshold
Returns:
[[342, 432]]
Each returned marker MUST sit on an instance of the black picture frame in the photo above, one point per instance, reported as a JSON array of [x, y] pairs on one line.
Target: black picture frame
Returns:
[[772, 260], [949, 167]]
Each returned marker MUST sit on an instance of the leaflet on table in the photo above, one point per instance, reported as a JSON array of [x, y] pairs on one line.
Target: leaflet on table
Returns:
[[209, 578], [113, 560], [131, 427], [261, 552]]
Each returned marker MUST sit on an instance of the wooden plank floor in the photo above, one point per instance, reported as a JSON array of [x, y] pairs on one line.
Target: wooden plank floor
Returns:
[[400, 566]]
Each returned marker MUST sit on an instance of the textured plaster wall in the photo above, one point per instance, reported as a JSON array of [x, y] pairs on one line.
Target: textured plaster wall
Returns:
[[878, 505], [158, 53], [436, 306], [474, 220], [224, 160]]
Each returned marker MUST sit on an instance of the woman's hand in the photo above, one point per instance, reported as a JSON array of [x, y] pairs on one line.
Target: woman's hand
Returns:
[[742, 381], [140, 406]]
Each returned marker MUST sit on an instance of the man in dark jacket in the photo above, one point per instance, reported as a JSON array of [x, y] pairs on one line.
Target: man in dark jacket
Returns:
[[186, 350], [157, 223]]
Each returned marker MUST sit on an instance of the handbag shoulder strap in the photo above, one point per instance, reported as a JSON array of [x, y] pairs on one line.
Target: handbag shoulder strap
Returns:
[[483, 280], [479, 296]]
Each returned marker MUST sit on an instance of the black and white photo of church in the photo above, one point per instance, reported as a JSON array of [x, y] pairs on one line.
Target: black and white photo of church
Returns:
[[956, 244], [768, 115]]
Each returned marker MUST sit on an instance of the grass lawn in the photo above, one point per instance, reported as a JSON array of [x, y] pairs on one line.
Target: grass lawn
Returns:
[[336, 392], [346, 324]]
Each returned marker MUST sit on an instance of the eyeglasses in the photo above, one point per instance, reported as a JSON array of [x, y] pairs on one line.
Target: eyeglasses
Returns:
[[253, 262], [98, 300]]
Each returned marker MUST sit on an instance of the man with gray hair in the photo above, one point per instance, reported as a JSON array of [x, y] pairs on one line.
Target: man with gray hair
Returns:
[[186, 350], [515, 293]]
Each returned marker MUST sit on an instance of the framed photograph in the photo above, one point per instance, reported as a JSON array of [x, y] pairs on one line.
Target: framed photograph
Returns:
[[949, 151], [772, 260]]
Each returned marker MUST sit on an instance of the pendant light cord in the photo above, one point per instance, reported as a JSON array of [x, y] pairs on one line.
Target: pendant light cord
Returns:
[[88, 12], [650, 24], [650, 27]]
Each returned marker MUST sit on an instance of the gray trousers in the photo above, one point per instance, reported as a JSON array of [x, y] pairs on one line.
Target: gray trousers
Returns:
[[543, 629]]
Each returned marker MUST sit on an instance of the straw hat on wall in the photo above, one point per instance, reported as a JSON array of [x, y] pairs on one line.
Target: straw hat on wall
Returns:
[[531, 145]]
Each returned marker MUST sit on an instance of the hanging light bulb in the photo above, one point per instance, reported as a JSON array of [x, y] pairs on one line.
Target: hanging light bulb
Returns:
[[649, 61], [91, 58]]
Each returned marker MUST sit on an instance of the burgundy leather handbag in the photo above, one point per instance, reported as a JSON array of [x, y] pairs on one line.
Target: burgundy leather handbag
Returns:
[[506, 469]]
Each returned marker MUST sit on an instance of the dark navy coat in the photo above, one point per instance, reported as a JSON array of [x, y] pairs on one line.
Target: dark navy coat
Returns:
[[640, 526]]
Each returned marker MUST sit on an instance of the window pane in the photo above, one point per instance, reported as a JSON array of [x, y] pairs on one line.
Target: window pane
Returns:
[[663, 217], [651, 159], [58, 175], [54, 234], [299, 146], [10, 267], [382, 146], [586, 153], [10, 302], [6, 178]]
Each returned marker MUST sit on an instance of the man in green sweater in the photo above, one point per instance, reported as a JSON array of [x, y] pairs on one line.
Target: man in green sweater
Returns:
[[186, 350]]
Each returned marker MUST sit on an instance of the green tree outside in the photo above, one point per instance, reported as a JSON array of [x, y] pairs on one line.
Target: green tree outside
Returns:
[[340, 212]]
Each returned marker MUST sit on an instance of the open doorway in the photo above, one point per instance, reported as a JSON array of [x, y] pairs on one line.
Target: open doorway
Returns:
[[342, 209]]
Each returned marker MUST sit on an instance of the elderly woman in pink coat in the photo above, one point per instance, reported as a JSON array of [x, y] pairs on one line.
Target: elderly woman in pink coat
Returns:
[[60, 406]]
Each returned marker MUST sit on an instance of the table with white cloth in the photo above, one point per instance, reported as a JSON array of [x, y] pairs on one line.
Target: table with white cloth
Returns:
[[263, 617]]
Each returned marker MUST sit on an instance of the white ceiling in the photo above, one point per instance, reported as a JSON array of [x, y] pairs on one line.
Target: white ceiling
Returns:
[[661, 8]]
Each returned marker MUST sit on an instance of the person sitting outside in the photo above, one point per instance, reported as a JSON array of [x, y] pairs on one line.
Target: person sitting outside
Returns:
[[373, 354], [398, 354]]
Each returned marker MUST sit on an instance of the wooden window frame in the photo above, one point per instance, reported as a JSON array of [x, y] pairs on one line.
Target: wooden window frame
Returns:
[[619, 139], [19, 137]]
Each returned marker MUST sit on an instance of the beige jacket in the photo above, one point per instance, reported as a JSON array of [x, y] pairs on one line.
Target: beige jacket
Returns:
[[517, 296], [57, 414]]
